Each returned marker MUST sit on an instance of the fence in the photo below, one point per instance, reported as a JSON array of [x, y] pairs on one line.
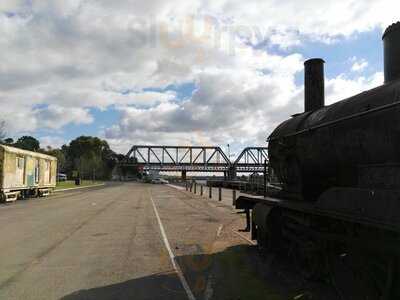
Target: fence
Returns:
[[226, 196]]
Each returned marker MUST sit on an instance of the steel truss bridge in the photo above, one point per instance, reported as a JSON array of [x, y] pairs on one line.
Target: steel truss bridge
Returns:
[[196, 159]]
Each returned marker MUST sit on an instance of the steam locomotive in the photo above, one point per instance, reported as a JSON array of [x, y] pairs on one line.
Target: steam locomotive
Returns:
[[337, 208]]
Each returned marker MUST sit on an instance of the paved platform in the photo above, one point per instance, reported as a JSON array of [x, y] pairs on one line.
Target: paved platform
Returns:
[[106, 243], [130, 241]]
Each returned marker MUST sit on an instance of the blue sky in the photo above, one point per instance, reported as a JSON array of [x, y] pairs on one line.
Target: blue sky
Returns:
[[178, 72]]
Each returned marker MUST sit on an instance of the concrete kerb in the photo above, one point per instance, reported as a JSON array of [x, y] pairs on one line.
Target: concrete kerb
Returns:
[[79, 188]]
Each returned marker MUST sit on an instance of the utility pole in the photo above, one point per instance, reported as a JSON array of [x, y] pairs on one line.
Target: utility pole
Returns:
[[265, 178]]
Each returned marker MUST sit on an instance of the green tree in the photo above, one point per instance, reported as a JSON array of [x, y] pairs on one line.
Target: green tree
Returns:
[[90, 156], [28, 143], [61, 159], [8, 141]]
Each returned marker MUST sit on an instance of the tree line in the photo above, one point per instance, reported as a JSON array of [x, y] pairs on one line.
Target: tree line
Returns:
[[87, 156]]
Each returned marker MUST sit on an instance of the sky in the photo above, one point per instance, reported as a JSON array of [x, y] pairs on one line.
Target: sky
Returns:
[[178, 72]]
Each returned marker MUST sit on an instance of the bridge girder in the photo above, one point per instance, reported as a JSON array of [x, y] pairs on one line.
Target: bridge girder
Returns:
[[196, 159]]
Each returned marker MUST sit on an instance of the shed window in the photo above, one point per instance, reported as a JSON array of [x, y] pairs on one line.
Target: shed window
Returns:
[[20, 162], [37, 170]]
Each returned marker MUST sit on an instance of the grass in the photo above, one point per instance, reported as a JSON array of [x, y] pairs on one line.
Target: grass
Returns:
[[69, 184]]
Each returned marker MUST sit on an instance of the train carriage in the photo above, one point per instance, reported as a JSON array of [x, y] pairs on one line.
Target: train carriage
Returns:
[[25, 173]]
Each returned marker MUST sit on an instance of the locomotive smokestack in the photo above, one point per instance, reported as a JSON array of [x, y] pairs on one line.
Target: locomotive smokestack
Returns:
[[391, 45], [314, 84]]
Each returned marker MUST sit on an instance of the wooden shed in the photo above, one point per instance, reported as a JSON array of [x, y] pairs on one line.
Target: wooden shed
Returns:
[[26, 173]]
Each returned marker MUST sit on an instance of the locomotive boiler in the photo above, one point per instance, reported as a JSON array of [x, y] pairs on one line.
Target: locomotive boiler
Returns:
[[338, 201], [352, 143]]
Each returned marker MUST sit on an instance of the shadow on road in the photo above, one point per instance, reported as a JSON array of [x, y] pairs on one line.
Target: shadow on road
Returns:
[[237, 273], [157, 287]]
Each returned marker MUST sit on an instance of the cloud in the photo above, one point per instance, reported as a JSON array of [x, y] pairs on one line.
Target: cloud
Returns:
[[60, 59], [52, 141], [359, 65], [56, 117], [221, 112], [342, 87], [226, 105]]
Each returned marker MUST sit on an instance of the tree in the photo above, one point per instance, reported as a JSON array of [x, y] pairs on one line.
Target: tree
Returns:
[[61, 159], [90, 155], [8, 141], [28, 143]]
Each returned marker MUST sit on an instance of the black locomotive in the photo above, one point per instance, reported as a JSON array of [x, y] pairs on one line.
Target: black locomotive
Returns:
[[337, 209]]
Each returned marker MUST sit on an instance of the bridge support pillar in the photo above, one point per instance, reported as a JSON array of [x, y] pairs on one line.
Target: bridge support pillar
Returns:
[[232, 173], [184, 175]]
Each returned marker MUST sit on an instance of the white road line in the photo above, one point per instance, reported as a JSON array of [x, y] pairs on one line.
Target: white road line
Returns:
[[176, 187], [244, 237], [172, 255], [80, 188], [219, 230]]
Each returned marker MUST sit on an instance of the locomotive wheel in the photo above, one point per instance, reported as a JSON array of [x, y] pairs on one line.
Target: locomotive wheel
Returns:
[[309, 260], [269, 236], [357, 276], [263, 240]]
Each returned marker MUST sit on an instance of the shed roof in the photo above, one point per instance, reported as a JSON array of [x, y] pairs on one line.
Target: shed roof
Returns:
[[26, 152]]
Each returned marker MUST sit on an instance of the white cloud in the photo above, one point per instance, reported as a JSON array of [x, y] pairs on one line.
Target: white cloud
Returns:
[[359, 65], [51, 141], [62, 58], [341, 87], [56, 117], [221, 111]]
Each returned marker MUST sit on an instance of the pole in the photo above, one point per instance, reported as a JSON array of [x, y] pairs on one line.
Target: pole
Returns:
[[210, 192], [201, 190], [265, 178], [234, 197], [219, 194]]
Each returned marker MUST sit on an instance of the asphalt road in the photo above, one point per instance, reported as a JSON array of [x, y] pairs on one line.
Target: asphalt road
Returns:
[[124, 241]]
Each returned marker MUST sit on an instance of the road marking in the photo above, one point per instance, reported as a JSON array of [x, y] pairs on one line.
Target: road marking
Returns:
[[172, 255], [219, 230], [176, 187], [244, 237], [79, 188]]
